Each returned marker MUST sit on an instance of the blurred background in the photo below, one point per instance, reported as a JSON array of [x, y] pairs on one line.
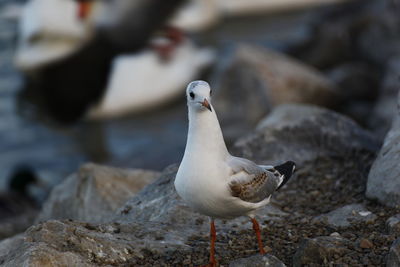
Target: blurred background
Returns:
[[104, 81]]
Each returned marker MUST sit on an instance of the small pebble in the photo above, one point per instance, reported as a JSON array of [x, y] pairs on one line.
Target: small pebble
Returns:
[[335, 234], [365, 243], [267, 249]]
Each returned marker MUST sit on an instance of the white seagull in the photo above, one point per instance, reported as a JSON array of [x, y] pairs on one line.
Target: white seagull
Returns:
[[215, 183]]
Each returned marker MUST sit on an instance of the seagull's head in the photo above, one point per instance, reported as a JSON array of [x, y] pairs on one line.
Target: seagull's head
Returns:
[[198, 94]]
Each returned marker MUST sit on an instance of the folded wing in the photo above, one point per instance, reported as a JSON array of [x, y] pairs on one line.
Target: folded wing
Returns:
[[251, 182]]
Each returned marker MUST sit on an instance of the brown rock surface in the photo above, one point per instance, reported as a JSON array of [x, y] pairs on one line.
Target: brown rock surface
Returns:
[[320, 250], [94, 193]]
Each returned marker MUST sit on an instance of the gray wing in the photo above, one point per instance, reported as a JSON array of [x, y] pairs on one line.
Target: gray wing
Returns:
[[240, 164], [251, 182]]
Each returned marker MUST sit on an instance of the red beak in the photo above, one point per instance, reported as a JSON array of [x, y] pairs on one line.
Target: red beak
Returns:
[[84, 8], [206, 104]]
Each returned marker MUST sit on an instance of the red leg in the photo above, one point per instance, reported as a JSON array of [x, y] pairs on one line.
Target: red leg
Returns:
[[213, 236], [256, 228]]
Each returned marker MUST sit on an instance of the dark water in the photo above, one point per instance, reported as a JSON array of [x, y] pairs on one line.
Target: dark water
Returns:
[[153, 140]]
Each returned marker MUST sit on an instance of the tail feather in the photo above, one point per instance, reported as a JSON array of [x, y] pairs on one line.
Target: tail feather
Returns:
[[286, 169]]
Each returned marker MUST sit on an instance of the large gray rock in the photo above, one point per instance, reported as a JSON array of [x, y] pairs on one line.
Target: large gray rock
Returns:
[[307, 134], [332, 153], [153, 228], [7, 246], [68, 243], [384, 177], [393, 258], [321, 251], [258, 261], [344, 216], [94, 193], [262, 78]]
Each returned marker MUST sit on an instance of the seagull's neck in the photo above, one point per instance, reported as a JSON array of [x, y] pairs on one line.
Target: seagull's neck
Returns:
[[205, 135]]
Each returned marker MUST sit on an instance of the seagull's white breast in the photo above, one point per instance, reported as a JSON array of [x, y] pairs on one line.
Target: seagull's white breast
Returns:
[[204, 175], [206, 190], [202, 187]]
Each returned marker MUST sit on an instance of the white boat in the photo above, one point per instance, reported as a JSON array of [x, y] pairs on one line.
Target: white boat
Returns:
[[143, 81]]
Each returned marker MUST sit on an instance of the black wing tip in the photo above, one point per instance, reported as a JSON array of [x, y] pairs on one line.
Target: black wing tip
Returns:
[[286, 169]]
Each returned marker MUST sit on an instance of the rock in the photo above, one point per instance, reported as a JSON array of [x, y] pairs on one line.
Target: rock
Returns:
[[308, 134], [333, 156], [258, 261], [335, 234], [386, 104], [353, 44], [380, 32], [344, 216], [159, 202], [358, 84], [320, 250], [262, 78], [384, 177], [356, 80], [393, 258], [68, 243], [333, 33], [358, 110], [393, 225], [365, 243], [154, 227], [94, 193], [366, 30], [7, 247]]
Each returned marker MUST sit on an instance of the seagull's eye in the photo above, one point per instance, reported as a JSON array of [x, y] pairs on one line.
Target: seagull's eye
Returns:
[[191, 95]]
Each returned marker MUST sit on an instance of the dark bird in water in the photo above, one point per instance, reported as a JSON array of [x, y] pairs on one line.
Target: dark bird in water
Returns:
[[18, 208], [17, 199], [66, 88]]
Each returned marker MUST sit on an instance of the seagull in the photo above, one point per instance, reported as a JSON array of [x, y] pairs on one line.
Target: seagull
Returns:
[[215, 183], [18, 200]]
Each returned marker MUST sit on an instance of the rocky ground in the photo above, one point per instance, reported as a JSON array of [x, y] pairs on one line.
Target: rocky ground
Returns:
[[321, 218], [326, 104]]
